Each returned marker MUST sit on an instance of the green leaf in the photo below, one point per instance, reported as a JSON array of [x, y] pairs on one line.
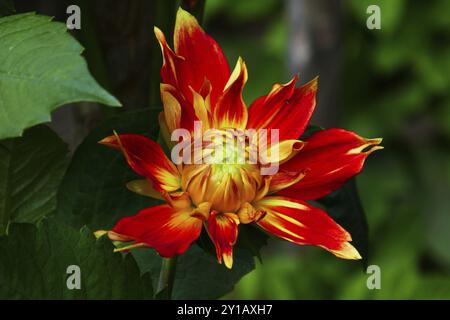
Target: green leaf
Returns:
[[31, 169], [93, 191], [345, 207], [40, 70], [35, 260], [198, 275]]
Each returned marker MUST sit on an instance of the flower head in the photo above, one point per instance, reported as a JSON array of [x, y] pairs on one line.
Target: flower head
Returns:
[[224, 185]]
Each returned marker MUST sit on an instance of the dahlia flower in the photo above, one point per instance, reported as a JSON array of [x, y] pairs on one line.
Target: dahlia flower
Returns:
[[198, 87]]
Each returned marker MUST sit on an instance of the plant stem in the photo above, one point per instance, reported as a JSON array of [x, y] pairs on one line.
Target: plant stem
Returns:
[[167, 277]]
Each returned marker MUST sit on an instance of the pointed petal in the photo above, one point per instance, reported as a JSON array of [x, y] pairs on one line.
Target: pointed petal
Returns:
[[144, 188], [284, 179], [265, 108], [147, 159], [175, 92], [172, 107], [163, 228], [223, 230], [298, 222], [329, 158], [164, 130], [201, 108], [171, 61], [178, 112], [279, 152], [203, 56], [231, 111], [286, 108], [264, 189]]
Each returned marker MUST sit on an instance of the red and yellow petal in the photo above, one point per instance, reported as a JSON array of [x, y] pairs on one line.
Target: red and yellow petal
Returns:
[[204, 58], [202, 109], [144, 188], [298, 222], [285, 108], [284, 179], [147, 159], [231, 111], [278, 152], [223, 231], [248, 214], [178, 113], [265, 108], [171, 61], [167, 230], [329, 158]]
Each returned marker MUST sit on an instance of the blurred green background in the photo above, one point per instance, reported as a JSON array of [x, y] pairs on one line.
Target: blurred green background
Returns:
[[393, 83]]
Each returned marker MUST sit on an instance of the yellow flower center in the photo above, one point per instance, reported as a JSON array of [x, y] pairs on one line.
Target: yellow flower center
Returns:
[[225, 178]]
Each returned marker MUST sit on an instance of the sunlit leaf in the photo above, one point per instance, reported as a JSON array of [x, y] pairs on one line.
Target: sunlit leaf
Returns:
[[40, 69]]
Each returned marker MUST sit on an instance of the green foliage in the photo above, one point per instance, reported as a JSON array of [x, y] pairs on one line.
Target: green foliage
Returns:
[[35, 260], [243, 11], [31, 169], [407, 61], [41, 69], [406, 98], [198, 275]]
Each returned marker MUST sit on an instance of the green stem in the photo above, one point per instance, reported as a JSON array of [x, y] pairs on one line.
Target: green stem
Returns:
[[166, 278]]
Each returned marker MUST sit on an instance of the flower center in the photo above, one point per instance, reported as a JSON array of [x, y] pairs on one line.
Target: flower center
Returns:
[[225, 178]]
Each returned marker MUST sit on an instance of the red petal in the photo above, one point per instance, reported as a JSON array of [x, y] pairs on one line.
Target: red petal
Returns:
[[263, 109], [300, 223], [329, 158], [177, 108], [284, 179], [203, 57], [163, 228], [171, 61], [231, 111], [147, 159], [285, 108], [223, 230]]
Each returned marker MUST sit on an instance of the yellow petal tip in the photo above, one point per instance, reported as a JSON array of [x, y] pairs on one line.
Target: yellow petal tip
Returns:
[[228, 261], [100, 233], [348, 251], [106, 141]]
